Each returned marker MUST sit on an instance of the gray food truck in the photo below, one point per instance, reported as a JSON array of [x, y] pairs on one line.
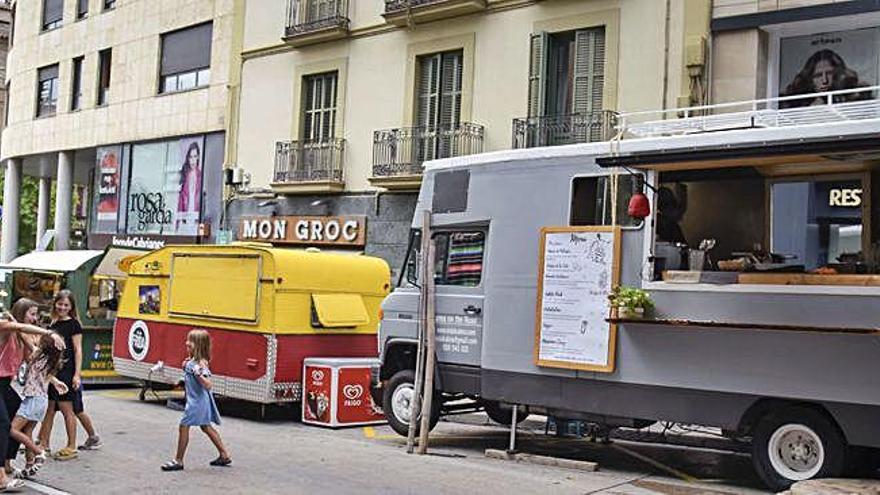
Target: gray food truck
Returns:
[[773, 335]]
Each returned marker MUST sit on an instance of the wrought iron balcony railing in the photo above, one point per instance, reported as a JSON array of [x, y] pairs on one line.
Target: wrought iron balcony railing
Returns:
[[553, 130], [401, 152], [308, 16], [308, 161]]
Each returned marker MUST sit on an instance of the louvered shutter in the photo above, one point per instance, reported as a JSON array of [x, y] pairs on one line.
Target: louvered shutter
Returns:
[[450, 103], [589, 81], [538, 73], [427, 116]]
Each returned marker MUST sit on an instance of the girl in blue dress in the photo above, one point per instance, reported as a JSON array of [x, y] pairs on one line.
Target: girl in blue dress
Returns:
[[201, 410]]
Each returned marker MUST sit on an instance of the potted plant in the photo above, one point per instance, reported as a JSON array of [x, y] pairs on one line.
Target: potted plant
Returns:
[[631, 302]]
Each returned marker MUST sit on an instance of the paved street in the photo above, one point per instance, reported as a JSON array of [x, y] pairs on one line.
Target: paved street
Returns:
[[279, 455]]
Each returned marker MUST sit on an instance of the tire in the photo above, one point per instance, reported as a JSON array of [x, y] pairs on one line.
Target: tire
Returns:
[[503, 413], [796, 444], [397, 398]]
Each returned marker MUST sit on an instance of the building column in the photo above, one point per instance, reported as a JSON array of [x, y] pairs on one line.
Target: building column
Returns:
[[43, 207], [63, 200], [11, 207]]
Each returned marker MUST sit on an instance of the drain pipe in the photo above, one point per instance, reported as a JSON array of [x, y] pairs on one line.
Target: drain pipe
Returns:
[[666, 56]]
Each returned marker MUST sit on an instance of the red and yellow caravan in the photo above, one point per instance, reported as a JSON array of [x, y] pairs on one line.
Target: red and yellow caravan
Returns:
[[266, 309]]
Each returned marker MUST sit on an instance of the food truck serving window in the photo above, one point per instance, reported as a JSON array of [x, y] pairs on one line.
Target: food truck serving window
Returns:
[[194, 276], [458, 258], [338, 311]]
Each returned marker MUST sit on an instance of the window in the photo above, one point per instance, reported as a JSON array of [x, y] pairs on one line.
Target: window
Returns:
[[458, 258], [47, 90], [567, 77], [53, 11], [319, 114], [109, 4], [76, 84], [105, 60], [82, 9], [438, 110], [186, 59], [818, 223], [591, 200]]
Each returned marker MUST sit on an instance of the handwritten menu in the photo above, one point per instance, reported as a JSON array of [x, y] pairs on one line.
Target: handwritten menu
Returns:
[[579, 269]]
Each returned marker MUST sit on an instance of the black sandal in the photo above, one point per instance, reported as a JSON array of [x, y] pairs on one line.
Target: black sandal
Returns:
[[172, 466], [220, 461]]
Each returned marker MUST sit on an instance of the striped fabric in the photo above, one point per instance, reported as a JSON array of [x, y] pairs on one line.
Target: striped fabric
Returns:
[[465, 265]]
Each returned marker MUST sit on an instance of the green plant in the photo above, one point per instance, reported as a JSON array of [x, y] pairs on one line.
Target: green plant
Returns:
[[631, 298]]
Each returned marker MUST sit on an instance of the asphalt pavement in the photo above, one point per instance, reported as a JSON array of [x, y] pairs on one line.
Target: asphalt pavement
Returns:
[[277, 454]]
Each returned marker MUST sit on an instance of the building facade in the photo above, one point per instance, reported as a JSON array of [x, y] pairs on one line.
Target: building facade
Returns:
[[341, 102], [127, 100]]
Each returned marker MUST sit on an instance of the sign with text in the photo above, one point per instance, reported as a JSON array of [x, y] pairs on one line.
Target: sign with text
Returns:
[[308, 230], [578, 267]]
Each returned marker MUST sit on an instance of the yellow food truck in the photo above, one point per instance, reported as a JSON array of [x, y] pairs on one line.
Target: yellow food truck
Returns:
[[266, 309]]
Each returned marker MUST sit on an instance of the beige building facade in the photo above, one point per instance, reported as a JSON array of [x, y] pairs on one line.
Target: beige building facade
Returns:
[[341, 102], [128, 99], [759, 47]]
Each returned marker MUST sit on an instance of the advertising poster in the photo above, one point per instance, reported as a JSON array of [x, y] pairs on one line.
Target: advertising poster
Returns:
[[107, 182], [149, 299], [316, 396], [189, 193], [355, 404], [165, 195], [828, 62]]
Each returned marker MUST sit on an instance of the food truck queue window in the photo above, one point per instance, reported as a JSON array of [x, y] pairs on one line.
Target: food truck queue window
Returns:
[[591, 200]]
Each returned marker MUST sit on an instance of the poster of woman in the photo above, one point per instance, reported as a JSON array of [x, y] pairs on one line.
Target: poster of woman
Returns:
[[189, 198], [828, 62]]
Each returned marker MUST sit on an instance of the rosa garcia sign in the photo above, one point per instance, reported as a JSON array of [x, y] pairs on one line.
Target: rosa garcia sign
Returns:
[[339, 231]]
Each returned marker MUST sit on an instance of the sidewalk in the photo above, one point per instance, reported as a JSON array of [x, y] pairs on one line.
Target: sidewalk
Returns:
[[835, 487]]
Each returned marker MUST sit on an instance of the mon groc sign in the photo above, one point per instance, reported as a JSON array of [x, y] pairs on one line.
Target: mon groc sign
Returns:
[[337, 231]]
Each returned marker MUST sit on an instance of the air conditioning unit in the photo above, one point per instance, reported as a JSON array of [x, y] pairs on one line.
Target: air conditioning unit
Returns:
[[235, 176]]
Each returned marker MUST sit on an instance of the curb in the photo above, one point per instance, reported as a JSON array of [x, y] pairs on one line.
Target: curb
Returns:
[[541, 460]]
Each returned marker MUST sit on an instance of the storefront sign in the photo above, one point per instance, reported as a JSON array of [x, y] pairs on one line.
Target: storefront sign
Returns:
[[845, 197], [137, 242], [343, 231]]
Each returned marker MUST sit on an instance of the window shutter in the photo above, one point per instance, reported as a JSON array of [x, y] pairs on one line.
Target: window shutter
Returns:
[[53, 11], [82, 8], [47, 73], [589, 79], [538, 73], [450, 103], [429, 72], [187, 49]]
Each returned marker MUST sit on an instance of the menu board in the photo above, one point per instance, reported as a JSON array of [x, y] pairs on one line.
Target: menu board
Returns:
[[578, 267]]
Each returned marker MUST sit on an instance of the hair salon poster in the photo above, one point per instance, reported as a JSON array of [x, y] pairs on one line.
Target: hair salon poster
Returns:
[[832, 61]]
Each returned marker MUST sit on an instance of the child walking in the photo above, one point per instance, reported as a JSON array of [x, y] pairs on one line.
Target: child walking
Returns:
[[44, 362], [201, 410]]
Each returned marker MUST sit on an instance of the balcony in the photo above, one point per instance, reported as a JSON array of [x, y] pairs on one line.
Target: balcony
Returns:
[[555, 130], [402, 12], [316, 21], [308, 167], [399, 154]]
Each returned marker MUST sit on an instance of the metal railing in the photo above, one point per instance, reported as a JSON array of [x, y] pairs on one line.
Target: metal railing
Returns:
[[781, 111], [308, 161], [553, 130], [401, 152], [306, 16], [401, 5]]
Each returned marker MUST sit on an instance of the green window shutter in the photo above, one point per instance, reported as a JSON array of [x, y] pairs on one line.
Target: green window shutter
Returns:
[[589, 75], [319, 103], [538, 74]]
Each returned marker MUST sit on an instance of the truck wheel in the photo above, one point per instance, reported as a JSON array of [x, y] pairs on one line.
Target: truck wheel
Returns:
[[796, 444], [397, 400], [503, 413]]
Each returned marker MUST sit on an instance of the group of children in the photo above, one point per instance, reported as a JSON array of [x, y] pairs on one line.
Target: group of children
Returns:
[[49, 380]]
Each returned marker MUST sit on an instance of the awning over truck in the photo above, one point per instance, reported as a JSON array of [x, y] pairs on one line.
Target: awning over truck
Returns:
[[340, 310]]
